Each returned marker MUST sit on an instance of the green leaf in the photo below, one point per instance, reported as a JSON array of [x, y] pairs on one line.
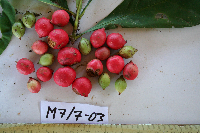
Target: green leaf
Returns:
[[7, 19], [63, 3], [152, 14]]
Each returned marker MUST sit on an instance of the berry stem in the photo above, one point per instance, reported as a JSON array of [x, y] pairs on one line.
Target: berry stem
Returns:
[[74, 35], [77, 16]]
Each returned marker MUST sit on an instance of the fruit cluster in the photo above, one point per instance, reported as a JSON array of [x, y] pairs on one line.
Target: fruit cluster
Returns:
[[68, 56]]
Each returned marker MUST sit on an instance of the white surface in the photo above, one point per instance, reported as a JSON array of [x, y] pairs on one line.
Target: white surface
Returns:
[[61, 112], [166, 90]]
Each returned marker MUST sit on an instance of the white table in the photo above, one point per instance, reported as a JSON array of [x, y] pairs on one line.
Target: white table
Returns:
[[166, 91]]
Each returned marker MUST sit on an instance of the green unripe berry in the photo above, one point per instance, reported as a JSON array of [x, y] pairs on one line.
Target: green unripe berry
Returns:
[[29, 19], [18, 29], [84, 46], [127, 52], [120, 84], [46, 59], [104, 80]]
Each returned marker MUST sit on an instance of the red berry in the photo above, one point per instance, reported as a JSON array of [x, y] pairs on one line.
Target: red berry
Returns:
[[64, 76], [115, 41], [33, 85], [82, 86], [25, 66], [98, 38], [40, 47], [69, 56], [43, 27], [94, 68], [130, 71], [115, 64], [58, 38], [60, 18], [44, 74], [102, 53]]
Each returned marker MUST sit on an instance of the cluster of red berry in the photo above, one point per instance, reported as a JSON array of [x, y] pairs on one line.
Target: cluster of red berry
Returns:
[[68, 56]]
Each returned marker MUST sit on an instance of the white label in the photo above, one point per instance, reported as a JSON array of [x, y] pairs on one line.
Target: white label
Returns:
[[60, 112]]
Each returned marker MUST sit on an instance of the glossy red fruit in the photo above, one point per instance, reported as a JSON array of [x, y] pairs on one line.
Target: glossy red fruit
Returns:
[[130, 71], [115, 41], [43, 27], [69, 56], [40, 47], [115, 64], [44, 74], [82, 86], [60, 18], [102, 53], [64, 76], [33, 85], [98, 38], [58, 38], [25, 66], [94, 68]]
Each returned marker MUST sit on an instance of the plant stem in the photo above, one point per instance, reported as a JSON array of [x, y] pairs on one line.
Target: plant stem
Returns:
[[76, 23], [77, 16]]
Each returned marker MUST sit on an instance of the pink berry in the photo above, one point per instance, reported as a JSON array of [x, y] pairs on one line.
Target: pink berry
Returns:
[[115, 64], [25, 66], [43, 27], [98, 38], [130, 71], [33, 85], [44, 74], [102, 53], [60, 18], [115, 41], [58, 38], [40, 47], [82, 86], [94, 68], [69, 56], [64, 76]]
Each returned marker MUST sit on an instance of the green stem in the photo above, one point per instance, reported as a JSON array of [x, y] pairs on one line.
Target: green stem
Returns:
[[77, 16], [78, 36]]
